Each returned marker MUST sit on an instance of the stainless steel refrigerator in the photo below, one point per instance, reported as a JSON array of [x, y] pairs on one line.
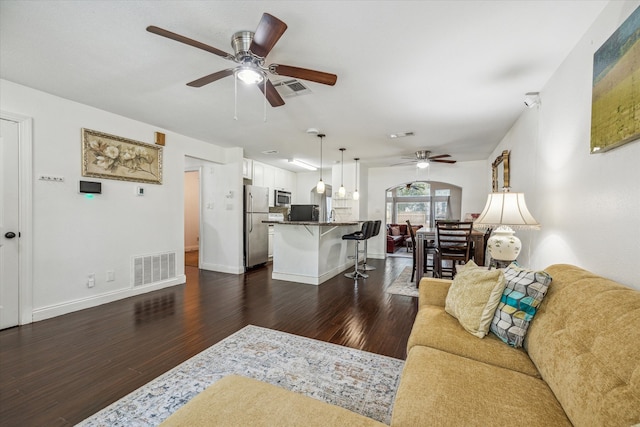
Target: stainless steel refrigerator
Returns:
[[256, 233]]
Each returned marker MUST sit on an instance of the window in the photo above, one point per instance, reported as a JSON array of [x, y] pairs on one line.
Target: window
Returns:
[[422, 203]]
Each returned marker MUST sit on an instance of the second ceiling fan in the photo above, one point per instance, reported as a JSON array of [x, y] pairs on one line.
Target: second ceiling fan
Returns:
[[250, 50], [422, 158]]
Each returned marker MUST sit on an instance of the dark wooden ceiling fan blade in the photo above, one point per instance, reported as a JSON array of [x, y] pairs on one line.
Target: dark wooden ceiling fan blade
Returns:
[[439, 156], [269, 31], [211, 78], [304, 74], [182, 39], [443, 161], [272, 94]]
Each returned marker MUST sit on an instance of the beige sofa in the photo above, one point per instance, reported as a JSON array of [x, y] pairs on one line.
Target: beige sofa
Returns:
[[580, 366]]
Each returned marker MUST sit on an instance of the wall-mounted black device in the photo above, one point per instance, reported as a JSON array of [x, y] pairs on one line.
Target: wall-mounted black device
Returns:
[[90, 187]]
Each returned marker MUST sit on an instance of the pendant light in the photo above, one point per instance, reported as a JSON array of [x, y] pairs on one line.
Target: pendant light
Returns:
[[320, 186], [356, 195], [342, 191]]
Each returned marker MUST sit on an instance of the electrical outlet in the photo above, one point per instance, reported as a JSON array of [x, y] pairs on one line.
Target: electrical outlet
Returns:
[[111, 275], [91, 282]]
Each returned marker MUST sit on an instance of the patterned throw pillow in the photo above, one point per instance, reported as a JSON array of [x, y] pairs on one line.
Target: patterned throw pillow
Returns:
[[522, 295]]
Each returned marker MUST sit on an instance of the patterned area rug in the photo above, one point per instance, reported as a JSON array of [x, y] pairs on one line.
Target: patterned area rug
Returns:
[[402, 285], [356, 380]]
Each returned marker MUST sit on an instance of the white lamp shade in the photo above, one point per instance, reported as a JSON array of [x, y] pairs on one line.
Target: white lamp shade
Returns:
[[356, 195], [506, 209], [342, 191], [320, 187]]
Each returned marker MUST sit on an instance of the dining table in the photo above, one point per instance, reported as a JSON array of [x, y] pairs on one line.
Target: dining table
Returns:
[[425, 234]]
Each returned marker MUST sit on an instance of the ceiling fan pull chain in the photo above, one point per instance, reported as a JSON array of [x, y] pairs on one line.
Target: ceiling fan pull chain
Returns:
[[235, 97]]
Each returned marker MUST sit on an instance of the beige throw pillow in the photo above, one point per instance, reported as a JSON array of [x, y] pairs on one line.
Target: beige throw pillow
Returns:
[[474, 296]]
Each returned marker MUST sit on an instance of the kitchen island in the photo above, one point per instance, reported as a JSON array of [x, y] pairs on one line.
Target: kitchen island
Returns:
[[310, 252]]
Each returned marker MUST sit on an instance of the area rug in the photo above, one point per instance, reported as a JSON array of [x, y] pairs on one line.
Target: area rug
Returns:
[[362, 382], [403, 284]]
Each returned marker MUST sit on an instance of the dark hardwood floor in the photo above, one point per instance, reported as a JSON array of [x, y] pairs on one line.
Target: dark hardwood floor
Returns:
[[59, 371]]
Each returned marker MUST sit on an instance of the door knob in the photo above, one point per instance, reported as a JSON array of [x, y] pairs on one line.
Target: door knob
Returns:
[[10, 235]]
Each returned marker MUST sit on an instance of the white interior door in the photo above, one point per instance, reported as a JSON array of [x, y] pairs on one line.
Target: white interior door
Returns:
[[9, 221]]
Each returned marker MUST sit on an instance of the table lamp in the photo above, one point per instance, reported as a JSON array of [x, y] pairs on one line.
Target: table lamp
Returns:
[[506, 211]]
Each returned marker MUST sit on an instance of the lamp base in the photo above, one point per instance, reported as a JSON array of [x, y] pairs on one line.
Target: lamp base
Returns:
[[503, 245], [499, 264]]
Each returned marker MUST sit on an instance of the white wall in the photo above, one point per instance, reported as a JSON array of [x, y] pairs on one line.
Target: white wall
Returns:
[[588, 204], [473, 177], [74, 236]]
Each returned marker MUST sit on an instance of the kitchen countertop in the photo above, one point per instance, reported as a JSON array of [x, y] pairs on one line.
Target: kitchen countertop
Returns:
[[320, 224]]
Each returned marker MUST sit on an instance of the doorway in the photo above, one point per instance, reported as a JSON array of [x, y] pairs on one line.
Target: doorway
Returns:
[[192, 218], [15, 220]]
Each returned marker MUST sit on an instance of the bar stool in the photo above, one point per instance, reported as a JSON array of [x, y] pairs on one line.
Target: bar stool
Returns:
[[358, 236], [376, 230]]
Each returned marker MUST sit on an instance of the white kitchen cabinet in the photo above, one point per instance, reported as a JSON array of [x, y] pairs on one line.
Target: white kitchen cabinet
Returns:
[[285, 180], [247, 168], [258, 174], [265, 176]]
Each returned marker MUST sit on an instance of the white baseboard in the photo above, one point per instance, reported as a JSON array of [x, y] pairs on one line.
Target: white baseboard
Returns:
[[312, 280], [221, 268], [54, 310]]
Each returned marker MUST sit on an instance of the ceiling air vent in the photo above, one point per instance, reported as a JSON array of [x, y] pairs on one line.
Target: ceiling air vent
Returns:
[[289, 88]]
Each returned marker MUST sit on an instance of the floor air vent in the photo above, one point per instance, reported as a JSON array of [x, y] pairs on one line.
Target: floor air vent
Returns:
[[288, 88], [148, 269]]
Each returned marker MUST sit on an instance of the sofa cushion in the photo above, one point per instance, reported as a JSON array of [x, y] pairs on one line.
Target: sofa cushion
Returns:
[[239, 401], [395, 231], [435, 328], [473, 298], [584, 341], [440, 389], [433, 291], [522, 295]]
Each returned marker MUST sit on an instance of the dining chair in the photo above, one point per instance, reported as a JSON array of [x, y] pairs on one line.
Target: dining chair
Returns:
[[412, 236], [454, 246], [429, 248]]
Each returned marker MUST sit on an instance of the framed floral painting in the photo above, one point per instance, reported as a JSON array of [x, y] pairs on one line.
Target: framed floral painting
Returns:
[[113, 157]]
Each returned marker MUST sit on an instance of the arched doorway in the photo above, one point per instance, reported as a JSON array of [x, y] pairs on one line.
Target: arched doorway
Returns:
[[423, 203]]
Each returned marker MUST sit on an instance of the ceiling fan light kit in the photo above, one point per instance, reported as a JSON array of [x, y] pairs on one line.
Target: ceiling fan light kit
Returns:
[[249, 76], [250, 50]]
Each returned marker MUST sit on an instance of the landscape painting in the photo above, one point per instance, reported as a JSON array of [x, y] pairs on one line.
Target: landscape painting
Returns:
[[113, 157], [615, 110]]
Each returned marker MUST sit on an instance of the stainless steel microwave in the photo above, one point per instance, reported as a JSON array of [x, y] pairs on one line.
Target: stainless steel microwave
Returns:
[[282, 198]]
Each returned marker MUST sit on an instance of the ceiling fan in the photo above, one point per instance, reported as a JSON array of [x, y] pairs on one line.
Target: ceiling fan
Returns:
[[422, 158], [250, 50]]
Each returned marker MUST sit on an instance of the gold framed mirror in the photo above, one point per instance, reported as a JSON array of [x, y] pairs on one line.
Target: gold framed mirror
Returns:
[[500, 167]]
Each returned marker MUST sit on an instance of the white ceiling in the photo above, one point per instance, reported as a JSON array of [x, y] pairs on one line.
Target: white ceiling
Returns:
[[453, 72]]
